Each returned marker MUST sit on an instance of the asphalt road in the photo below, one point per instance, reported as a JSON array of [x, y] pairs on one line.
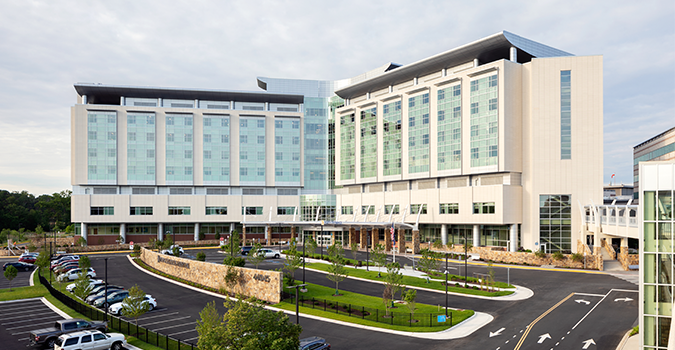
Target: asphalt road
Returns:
[[552, 310]]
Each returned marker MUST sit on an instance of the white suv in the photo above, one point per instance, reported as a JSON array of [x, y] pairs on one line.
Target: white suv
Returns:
[[90, 340]]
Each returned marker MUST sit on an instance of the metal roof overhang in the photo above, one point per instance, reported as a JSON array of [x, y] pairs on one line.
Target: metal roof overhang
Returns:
[[317, 224], [184, 94], [489, 49]]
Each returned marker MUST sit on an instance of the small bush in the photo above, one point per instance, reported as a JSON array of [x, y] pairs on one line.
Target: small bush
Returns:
[[438, 244], [577, 257], [201, 236], [558, 256], [201, 256], [217, 235], [635, 331], [540, 254], [234, 261]]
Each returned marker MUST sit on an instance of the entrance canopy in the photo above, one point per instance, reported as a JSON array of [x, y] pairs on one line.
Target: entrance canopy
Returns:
[[324, 223]]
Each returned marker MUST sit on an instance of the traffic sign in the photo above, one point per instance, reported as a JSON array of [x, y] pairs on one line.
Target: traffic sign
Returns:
[[441, 318], [131, 245]]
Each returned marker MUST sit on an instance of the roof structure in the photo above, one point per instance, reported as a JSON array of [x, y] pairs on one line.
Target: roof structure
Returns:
[[489, 49], [114, 92]]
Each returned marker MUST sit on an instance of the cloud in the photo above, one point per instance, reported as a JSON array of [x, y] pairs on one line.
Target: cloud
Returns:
[[48, 46]]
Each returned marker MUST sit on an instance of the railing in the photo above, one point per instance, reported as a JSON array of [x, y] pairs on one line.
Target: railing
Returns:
[[118, 324], [408, 319]]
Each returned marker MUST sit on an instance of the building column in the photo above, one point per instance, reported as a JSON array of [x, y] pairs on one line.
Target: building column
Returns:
[[83, 231], [123, 232], [160, 232], [293, 233], [352, 236], [401, 240], [332, 237], [268, 234], [232, 227], [513, 54], [364, 238], [416, 241], [196, 236], [444, 234], [476, 235], [375, 238], [513, 237], [387, 240], [243, 235]]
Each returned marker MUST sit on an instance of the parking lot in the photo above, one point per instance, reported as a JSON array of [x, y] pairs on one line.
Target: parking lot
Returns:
[[22, 279], [18, 318]]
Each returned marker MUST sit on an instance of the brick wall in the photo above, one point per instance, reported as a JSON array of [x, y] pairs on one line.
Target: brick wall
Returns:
[[262, 284]]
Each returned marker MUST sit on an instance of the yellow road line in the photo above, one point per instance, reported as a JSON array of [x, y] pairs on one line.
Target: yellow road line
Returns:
[[531, 325]]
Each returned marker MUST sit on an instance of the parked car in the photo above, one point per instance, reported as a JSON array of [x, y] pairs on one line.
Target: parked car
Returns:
[[170, 250], [66, 268], [65, 259], [64, 264], [73, 274], [115, 297], [314, 343], [29, 254], [269, 253], [94, 340], [47, 336], [59, 256], [93, 283], [116, 308], [245, 250], [91, 298], [29, 259], [20, 266]]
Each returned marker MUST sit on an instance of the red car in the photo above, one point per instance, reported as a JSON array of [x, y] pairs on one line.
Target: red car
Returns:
[[28, 259]]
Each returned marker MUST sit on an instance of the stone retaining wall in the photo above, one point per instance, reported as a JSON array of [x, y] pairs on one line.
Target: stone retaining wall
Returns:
[[628, 259], [262, 284], [608, 247]]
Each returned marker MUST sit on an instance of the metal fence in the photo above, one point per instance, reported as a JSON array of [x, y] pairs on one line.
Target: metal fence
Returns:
[[416, 319], [118, 324]]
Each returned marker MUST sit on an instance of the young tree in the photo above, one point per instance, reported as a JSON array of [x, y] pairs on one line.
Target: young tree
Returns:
[[42, 261], [232, 246], [379, 256], [10, 274], [354, 248], [387, 298], [409, 297], [255, 256], [84, 263], [292, 262], [134, 306], [429, 261], [394, 279], [491, 276], [82, 286], [311, 246], [248, 325], [210, 327], [336, 270]]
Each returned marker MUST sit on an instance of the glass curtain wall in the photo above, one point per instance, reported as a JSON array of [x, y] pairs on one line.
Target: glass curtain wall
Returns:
[[484, 121], [141, 148], [449, 127], [102, 147]]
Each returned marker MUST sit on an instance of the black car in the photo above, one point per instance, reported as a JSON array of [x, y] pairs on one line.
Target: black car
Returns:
[[313, 343], [245, 249], [20, 266]]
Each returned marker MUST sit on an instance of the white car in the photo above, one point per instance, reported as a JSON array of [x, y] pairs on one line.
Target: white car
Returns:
[[269, 253], [170, 250], [94, 340], [74, 274], [71, 287], [116, 308]]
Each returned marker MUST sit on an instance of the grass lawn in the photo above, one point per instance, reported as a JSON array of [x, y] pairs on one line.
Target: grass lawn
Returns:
[[418, 282], [358, 301]]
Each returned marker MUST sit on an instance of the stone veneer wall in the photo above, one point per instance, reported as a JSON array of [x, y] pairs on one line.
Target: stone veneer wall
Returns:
[[262, 284], [628, 259], [608, 247]]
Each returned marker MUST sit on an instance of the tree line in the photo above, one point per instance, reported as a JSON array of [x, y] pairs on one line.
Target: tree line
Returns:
[[23, 212]]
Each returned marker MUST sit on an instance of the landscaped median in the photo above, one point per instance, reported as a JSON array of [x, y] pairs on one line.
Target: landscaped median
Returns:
[[371, 311], [454, 286]]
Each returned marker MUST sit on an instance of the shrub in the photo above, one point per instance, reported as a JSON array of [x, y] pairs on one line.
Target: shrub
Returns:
[[201, 256], [578, 257], [438, 244], [540, 254], [137, 249], [217, 235], [201, 236], [234, 261], [558, 256]]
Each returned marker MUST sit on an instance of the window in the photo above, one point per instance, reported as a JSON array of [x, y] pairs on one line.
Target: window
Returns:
[[169, 120], [278, 140], [207, 137], [261, 140], [140, 211], [449, 208], [415, 208], [86, 339], [285, 210], [261, 123], [243, 139], [207, 154], [188, 137], [216, 210], [370, 209], [169, 137], [296, 140], [391, 209], [224, 138], [484, 208], [150, 137], [131, 136], [102, 211], [566, 114], [278, 124], [92, 135], [251, 210], [347, 210], [188, 154], [179, 210]]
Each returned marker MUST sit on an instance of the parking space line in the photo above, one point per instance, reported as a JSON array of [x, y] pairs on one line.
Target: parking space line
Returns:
[[189, 330], [30, 325], [22, 339], [37, 305], [173, 319], [190, 339], [179, 325], [22, 312], [24, 316], [28, 320], [147, 318]]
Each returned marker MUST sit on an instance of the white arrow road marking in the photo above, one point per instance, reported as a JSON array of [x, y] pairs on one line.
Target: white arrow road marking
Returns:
[[499, 332], [588, 343], [543, 337], [579, 301], [623, 299]]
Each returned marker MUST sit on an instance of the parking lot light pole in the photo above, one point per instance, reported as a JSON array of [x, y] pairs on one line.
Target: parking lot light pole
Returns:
[[297, 307], [367, 256], [466, 257], [50, 262], [446, 284], [106, 290], [303, 257]]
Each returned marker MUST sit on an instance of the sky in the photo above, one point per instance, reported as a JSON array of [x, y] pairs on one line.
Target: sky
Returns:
[[47, 46]]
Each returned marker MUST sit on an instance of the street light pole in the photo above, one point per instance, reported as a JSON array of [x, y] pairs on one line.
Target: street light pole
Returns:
[[446, 284], [367, 256], [466, 257], [106, 290], [50, 259], [297, 307], [303, 257]]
